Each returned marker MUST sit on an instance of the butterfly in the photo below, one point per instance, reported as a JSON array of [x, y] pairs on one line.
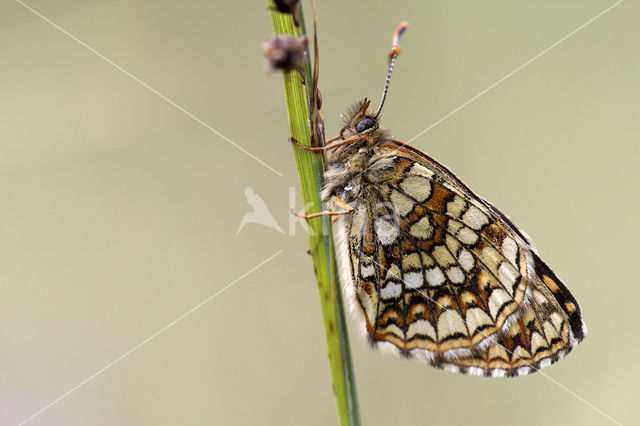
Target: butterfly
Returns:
[[432, 270]]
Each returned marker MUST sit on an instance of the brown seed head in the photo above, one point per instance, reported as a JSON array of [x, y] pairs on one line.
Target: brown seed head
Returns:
[[285, 52], [286, 6]]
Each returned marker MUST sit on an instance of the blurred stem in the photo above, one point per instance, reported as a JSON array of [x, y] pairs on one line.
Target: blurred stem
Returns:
[[310, 171]]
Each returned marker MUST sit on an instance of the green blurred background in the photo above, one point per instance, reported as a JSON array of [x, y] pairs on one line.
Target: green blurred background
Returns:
[[119, 212]]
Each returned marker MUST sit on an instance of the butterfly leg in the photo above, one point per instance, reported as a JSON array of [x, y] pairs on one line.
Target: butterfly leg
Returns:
[[333, 139], [327, 147], [348, 209]]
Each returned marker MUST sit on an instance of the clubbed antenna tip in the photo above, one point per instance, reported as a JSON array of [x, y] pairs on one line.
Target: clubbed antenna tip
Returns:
[[393, 54]]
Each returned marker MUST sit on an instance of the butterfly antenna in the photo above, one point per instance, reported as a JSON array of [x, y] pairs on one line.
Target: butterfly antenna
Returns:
[[393, 53]]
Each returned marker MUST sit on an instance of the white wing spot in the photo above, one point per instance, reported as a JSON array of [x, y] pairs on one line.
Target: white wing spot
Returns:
[[386, 231], [510, 249], [401, 203], [413, 280], [474, 218], [466, 260], [455, 207], [391, 291], [451, 368], [456, 276], [417, 187], [435, 277], [367, 271], [420, 170], [467, 236], [475, 371], [498, 372], [544, 363]]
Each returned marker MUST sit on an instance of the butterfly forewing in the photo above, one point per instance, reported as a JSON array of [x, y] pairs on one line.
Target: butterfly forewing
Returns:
[[442, 275]]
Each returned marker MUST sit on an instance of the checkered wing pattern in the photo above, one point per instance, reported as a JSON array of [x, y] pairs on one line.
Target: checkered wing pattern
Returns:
[[441, 275]]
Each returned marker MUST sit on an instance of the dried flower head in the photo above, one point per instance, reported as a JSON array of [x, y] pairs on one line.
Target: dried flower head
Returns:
[[285, 6], [285, 52], [288, 6]]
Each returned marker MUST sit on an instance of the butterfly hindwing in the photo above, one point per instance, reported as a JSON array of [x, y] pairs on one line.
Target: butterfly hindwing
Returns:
[[441, 275]]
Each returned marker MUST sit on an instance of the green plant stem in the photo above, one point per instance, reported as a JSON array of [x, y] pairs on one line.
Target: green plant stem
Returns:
[[310, 171]]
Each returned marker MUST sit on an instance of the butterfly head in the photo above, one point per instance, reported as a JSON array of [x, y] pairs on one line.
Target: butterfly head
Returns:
[[359, 121]]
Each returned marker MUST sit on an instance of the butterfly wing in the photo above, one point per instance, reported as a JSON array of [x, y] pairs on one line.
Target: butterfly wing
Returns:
[[440, 274]]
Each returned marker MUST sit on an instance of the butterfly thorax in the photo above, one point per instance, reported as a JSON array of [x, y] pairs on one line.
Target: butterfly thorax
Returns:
[[349, 165]]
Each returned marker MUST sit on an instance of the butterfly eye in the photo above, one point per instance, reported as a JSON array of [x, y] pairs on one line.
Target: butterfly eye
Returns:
[[364, 124]]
